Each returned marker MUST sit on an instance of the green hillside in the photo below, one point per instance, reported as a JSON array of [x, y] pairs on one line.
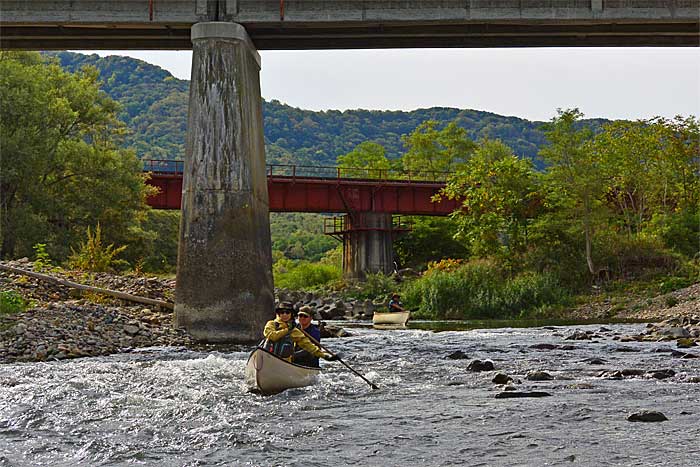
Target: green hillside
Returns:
[[155, 109]]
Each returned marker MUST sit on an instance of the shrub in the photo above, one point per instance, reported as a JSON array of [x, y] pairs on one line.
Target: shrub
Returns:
[[636, 257], [43, 260], [670, 284], [93, 256], [679, 231], [375, 286], [445, 265], [479, 290], [12, 302], [302, 275]]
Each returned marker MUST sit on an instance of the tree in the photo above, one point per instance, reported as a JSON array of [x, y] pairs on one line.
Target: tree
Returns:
[[680, 139], [498, 195], [369, 158], [650, 168], [430, 239], [629, 153], [431, 150], [574, 181], [62, 167]]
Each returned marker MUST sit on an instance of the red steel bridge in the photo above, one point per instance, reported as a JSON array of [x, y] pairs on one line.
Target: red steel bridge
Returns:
[[324, 189]]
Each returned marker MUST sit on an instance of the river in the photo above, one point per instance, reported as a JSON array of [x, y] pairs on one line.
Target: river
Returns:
[[177, 407]]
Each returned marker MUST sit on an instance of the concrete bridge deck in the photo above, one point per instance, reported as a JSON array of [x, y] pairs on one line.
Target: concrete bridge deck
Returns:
[[343, 24]]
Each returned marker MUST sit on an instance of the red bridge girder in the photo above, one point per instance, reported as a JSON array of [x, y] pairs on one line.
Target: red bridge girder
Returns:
[[319, 194]]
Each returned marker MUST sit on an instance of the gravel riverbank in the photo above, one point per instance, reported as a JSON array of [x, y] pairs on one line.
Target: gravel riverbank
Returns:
[[63, 324]]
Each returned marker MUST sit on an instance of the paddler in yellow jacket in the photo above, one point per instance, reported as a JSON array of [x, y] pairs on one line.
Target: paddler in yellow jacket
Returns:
[[282, 333]]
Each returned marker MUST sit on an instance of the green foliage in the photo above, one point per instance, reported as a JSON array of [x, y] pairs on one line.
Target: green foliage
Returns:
[[154, 108], [93, 256], [368, 156], [302, 275], [619, 201], [574, 182], [648, 165], [623, 257], [375, 286], [480, 290], [557, 248], [153, 243], [42, 261], [334, 257], [430, 239], [497, 195], [62, 168], [300, 236], [153, 102], [433, 150], [669, 284], [12, 302], [679, 231]]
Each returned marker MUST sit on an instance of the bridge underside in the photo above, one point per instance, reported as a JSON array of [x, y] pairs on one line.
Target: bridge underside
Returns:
[[366, 36], [342, 24]]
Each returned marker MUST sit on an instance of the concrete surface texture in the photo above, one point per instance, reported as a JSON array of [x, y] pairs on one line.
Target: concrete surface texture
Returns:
[[224, 278], [309, 24], [367, 247]]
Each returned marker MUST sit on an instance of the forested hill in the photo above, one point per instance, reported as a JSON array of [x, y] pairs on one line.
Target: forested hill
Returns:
[[155, 109]]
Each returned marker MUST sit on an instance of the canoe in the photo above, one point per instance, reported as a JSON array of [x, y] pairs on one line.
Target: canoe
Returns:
[[267, 373], [395, 318]]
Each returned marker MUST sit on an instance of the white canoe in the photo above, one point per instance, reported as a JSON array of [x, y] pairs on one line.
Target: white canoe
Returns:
[[396, 318], [269, 374]]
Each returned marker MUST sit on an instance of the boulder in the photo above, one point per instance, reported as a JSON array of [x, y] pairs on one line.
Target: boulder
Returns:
[[501, 378], [521, 394], [539, 376], [458, 355], [479, 365], [647, 416]]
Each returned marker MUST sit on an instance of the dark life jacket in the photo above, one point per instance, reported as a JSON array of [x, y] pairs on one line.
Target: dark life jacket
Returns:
[[283, 347], [393, 302]]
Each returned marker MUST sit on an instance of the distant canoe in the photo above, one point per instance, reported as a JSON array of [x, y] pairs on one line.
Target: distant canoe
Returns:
[[395, 318], [269, 374]]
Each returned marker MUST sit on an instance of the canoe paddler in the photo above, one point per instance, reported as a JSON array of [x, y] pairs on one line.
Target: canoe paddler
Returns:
[[282, 333], [395, 303], [301, 356]]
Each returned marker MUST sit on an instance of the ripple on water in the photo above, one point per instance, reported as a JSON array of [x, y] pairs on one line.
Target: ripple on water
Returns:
[[166, 406]]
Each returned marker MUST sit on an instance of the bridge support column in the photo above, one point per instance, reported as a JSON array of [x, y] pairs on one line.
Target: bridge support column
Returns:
[[224, 270], [367, 245]]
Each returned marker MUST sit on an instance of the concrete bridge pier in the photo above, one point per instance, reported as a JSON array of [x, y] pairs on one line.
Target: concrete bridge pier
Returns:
[[224, 270], [367, 244]]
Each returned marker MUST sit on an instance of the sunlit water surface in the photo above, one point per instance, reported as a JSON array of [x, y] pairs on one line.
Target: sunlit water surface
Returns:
[[174, 407]]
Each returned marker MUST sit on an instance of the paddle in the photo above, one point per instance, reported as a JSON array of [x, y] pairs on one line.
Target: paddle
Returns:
[[372, 385]]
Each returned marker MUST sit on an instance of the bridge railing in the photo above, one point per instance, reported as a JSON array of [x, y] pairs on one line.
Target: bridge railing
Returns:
[[336, 226], [163, 166], [327, 172], [322, 172]]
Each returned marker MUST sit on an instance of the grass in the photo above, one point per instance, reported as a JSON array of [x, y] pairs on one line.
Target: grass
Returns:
[[12, 302], [479, 290]]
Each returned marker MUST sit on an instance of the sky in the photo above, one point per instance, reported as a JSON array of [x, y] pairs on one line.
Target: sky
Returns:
[[530, 83]]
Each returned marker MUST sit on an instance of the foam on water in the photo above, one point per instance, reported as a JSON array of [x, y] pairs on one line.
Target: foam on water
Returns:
[[171, 406]]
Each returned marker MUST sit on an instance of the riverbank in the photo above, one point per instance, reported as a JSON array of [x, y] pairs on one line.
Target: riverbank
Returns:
[[64, 323]]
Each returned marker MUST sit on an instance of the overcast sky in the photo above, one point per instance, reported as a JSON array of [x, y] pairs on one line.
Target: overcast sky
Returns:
[[531, 83]]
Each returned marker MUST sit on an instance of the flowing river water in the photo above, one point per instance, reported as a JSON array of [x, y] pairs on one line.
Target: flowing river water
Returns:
[[177, 407]]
